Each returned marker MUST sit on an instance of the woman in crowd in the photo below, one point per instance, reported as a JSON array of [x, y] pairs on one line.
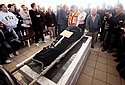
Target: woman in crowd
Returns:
[[50, 21]]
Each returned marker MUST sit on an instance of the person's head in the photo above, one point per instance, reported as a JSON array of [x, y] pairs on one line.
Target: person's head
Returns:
[[118, 8], [109, 12], [33, 6], [12, 8], [39, 8], [104, 6], [58, 7], [9, 6], [72, 8], [2, 26], [43, 9], [3, 8], [93, 11], [23, 7], [49, 10], [64, 7], [81, 9]]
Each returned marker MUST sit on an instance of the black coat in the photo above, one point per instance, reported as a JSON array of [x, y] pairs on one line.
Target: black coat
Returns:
[[35, 18], [118, 20], [19, 17], [50, 19]]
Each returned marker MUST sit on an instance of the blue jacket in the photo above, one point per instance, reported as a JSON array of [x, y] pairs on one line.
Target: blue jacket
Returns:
[[93, 26], [61, 17]]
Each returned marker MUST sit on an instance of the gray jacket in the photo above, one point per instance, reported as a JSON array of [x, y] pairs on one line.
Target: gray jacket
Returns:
[[93, 26], [61, 17]]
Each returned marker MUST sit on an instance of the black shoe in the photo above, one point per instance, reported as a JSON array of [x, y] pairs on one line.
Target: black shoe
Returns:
[[115, 55], [117, 60], [103, 50], [92, 46], [109, 51]]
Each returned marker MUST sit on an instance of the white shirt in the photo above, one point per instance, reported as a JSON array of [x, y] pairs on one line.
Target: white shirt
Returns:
[[9, 19], [26, 17], [93, 17], [81, 18]]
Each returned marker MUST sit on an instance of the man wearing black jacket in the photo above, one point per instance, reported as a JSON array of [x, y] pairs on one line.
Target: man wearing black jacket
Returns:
[[20, 20], [118, 21], [36, 22], [109, 27], [50, 22]]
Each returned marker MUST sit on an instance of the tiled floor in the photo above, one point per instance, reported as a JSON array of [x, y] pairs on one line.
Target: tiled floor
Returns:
[[98, 70]]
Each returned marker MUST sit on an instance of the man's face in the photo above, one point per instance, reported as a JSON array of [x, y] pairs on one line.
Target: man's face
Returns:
[[49, 10], [4, 8], [24, 7], [1, 26], [12, 8], [35, 7], [117, 9], [93, 12]]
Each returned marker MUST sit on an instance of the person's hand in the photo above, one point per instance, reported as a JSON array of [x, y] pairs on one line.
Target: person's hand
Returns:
[[12, 40], [124, 30], [37, 15], [52, 24]]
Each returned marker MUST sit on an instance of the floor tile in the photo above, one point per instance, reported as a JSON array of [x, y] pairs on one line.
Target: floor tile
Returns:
[[104, 55], [85, 80], [98, 82], [94, 53], [96, 49], [102, 60], [88, 71], [113, 80], [11, 65], [112, 63], [20, 59], [100, 75], [112, 70], [123, 81], [93, 57], [111, 58], [91, 63], [29, 54], [101, 66], [17, 57]]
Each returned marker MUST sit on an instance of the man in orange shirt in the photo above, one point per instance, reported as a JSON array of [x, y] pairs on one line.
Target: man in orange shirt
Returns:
[[73, 15]]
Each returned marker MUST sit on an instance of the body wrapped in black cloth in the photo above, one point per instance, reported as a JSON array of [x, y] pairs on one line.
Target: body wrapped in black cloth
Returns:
[[50, 53]]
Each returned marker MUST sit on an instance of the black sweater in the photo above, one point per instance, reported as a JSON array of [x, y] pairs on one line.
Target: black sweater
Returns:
[[35, 18], [50, 19]]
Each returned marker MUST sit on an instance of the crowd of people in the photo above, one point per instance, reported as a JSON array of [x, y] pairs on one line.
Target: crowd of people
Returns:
[[108, 22]]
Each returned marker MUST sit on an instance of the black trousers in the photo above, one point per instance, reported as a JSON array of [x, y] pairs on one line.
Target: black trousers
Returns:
[[38, 34], [82, 26], [15, 44], [108, 41], [3, 55], [121, 48], [61, 28], [12, 46]]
